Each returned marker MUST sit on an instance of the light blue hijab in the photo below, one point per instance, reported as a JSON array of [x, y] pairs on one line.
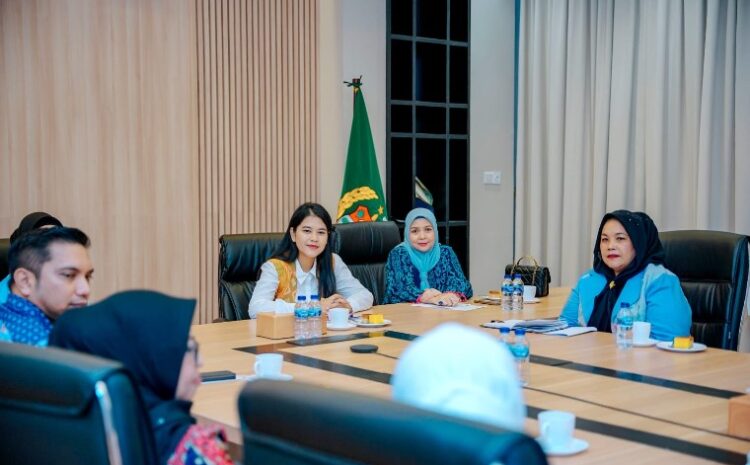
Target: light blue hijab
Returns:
[[423, 261]]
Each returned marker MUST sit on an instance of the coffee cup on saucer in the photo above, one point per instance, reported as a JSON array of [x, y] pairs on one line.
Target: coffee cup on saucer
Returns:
[[338, 317], [641, 332], [269, 366], [556, 438], [557, 428]]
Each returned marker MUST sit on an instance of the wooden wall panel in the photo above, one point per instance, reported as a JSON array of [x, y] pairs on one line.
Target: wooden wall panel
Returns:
[[156, 126], [257, 72], [98, 125]]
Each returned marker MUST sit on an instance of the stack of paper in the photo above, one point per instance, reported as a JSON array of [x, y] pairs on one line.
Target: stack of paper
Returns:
[[532, 326], [464, 307], [573, 331], [553, 327]]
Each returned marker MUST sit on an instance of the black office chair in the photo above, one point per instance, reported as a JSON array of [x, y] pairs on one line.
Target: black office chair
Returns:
[[240, 259], [58, 406], [300, 424], [364, 247], [4, 249], [713, 271]]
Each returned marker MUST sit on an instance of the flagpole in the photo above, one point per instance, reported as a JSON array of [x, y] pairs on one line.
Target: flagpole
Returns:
[[362, 196], [356, 84]]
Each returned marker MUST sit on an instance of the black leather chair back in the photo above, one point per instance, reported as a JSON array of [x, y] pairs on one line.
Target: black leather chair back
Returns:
[[58, 406], [300, 424], [364, 247], [713, 271], [240, 259], [4, 249]]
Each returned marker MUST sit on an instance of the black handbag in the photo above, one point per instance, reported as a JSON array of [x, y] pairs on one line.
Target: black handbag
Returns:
[[532, 275]]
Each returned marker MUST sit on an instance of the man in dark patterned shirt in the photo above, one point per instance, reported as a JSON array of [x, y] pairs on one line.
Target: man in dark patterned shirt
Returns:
[[50, 271]]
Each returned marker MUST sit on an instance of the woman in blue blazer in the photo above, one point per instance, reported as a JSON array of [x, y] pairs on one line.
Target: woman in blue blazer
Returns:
[[628, 267]]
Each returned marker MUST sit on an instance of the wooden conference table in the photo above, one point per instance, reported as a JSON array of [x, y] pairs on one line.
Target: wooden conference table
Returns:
[[643, 405]]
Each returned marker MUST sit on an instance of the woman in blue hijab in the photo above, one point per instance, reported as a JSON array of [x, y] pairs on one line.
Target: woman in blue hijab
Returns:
[[629, 268], [420, 269]]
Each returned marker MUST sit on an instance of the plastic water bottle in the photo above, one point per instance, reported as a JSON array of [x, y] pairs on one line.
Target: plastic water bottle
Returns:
[[507, 290], [505, 337], [517, 296], [624, 327], [300, 318], [315, 312], [522, 353]]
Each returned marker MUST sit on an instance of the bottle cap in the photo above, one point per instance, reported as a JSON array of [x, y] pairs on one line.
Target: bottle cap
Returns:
[[520, 331], [301, 298], [624, 305], [504, 330], [314, 297]]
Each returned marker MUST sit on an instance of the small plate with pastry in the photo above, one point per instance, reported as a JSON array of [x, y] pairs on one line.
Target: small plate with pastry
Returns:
[[682, 344], [371, 320]]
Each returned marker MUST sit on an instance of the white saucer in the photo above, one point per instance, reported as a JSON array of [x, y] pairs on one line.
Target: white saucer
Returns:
[[279, 377], [647, 343], [374, 325], [341, 328], [576, 446], [535, 300], [667, 345]]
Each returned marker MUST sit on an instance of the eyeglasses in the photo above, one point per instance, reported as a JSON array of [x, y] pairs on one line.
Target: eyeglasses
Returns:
[[193, 347]]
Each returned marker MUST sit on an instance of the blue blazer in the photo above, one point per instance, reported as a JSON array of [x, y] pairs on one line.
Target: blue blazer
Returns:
[[654, 294]]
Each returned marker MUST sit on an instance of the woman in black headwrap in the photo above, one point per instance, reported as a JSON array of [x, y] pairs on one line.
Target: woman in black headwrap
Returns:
[[148, 332], [628, 267]]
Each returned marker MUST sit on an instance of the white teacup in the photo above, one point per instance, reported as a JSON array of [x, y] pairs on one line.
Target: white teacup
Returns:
[[641, 331], [268, 365], [338, 317], [529, 293], [556, 428]]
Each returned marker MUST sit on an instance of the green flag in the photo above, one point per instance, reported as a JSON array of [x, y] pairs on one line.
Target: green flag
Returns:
[[362, 194]]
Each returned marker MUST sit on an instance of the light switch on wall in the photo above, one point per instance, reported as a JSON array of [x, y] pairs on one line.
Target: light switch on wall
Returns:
[[492, 177]]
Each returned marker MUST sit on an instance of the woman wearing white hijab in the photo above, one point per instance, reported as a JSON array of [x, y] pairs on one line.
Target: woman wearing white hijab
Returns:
[[463, 372], [420, 269]]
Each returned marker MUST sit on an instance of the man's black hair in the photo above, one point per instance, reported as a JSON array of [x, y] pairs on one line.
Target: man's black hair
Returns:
[[31, 250]]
